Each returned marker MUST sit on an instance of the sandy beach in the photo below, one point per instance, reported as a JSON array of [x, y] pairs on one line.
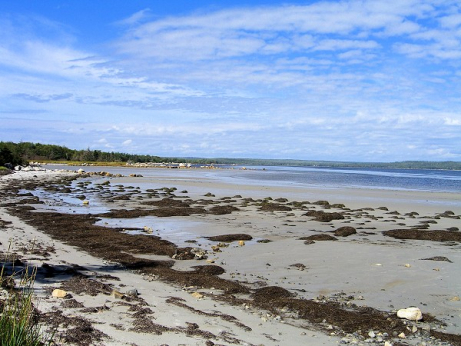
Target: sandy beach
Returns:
[[175, 260]]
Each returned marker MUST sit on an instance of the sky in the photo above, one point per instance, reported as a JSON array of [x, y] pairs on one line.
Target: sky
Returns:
[[352, 80]]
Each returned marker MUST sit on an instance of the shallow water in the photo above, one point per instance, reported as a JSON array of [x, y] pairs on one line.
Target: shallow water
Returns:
[[176, 230], [322, 177]]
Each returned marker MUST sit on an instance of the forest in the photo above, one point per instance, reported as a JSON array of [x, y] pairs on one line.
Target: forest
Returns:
[[24, 152]]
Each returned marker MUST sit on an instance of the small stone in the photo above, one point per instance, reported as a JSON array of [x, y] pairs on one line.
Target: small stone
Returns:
[[148, 230], [133, 292], [402, 335], [387, 343], [241, 243], [455, 299], [57, 293], [414, 329], [412, 314], [86, 202], [407, 265], [197, 295], [371, 334]]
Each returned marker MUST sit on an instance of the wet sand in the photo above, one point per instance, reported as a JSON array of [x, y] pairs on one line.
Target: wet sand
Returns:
[[272, 284]]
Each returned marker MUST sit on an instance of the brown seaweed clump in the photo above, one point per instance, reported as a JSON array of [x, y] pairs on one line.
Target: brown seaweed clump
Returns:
[[222, 209], [322, 216], [274, 207], [320, 237], [230, 237], [345, 231], [436, 235]]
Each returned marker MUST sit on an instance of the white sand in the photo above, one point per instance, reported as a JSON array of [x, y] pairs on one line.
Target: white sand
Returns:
[[385, 273]]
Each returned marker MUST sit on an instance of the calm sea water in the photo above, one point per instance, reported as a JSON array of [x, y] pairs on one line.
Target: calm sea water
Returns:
[[391, 179], [388, 179]]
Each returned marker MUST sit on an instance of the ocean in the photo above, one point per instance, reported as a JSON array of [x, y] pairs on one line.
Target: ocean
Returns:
[[388, 179], [321, 177]]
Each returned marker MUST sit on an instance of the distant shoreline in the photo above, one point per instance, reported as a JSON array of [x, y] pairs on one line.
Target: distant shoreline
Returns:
[[20, 153]]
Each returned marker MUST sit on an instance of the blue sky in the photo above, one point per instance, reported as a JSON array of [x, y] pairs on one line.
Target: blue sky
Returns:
[[353, 80]]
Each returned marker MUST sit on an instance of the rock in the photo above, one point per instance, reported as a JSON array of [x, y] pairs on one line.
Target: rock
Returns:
[[133, 292], [412, 314], [371, 334], [215, 248], [197, 295], [345, 231], [241, 243], [455, 299], [387, 343], [86, 202], [402, 335], [148, 230], [407, 265], [199, 254], [57, 293], [80, 171]]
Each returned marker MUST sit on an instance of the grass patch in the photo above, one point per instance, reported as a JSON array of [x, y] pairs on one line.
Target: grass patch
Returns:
[[18, 316]]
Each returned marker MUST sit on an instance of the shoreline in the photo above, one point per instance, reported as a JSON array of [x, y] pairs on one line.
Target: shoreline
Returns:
[[368, 266]]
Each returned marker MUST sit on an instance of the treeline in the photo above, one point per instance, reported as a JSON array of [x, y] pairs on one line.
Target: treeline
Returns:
[[24, 152], [21, 153]]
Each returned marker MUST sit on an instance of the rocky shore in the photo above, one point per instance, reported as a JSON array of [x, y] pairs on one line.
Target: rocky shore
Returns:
[[234, 269]]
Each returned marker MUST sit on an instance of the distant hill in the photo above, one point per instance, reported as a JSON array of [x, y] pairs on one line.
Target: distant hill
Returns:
[[23, 152]]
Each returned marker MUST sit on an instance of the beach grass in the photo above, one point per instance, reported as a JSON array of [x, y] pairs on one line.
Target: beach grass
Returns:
[[18, 316]]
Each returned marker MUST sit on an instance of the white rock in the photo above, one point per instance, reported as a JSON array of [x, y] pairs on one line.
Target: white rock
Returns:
[[412, 314]]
